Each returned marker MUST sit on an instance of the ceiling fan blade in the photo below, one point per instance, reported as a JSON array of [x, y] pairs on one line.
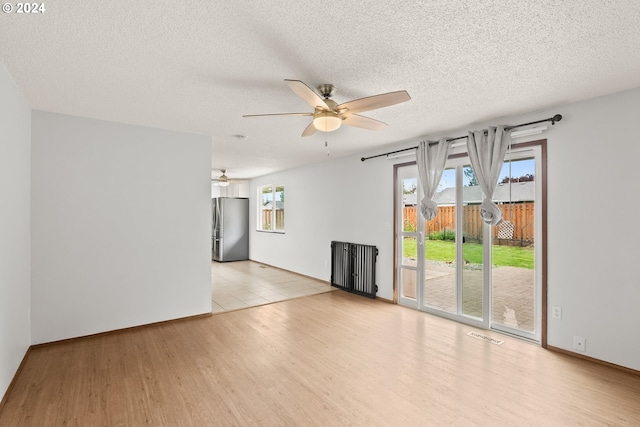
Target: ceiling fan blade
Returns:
[[307, 94], [374, 102], [278, 114], [363, 122], [309, 130]]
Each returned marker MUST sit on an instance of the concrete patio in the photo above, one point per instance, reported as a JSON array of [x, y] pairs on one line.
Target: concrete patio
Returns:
[[513, 292]]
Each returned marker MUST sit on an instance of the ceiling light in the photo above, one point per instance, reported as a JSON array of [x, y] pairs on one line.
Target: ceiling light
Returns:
[[326, 121], [223, 183]]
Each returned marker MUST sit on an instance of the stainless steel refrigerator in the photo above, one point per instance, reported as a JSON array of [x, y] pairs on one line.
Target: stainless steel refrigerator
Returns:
[[230, 229]]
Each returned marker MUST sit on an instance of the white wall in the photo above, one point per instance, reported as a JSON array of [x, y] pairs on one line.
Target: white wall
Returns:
[[15, 249], [344, 200], [120, 226], [592, 221], [594, 231]]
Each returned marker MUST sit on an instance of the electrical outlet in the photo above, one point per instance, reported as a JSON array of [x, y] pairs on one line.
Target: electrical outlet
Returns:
[[580, 343], [556, 312]]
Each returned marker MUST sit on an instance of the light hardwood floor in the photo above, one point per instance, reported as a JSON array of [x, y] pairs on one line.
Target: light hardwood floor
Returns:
[[332, 359]]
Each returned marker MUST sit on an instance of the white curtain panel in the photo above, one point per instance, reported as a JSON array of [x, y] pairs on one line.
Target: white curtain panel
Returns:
[[486, 152], [431, 157]]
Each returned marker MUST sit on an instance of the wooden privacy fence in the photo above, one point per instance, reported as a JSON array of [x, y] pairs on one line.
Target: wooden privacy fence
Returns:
[[519, 214], [266, 219]]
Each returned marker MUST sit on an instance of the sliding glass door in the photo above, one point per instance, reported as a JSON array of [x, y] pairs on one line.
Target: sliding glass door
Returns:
[[409, 246], [458, 267], [516, 269]]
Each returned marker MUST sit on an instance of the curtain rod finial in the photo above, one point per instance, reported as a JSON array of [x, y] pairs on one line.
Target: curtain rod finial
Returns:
[[555, 119]]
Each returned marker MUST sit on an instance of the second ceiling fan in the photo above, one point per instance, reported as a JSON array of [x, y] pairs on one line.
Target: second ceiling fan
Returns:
[[223, 180], [329, 115]]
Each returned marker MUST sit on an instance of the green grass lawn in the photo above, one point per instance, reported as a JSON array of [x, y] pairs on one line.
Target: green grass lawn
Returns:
[[441, 250]]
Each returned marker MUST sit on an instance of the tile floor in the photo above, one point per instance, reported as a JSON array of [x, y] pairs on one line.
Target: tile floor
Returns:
[[241, 284]]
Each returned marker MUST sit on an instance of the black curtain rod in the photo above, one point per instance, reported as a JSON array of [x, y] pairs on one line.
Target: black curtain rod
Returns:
[[553, 121]]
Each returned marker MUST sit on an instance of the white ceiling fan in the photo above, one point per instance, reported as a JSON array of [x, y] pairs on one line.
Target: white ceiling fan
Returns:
[[328, 115], [223, 180]]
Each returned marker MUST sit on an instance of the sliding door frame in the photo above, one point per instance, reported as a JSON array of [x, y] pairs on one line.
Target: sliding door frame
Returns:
[[542, 143]]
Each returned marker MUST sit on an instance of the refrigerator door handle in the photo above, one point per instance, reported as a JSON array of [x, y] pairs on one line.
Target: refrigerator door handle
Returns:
[[217, 225]]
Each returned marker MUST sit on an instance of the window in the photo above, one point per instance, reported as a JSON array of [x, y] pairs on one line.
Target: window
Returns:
[[271, 208]]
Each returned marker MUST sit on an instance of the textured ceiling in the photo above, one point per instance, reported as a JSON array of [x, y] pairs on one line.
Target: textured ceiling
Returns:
[[198, 66]]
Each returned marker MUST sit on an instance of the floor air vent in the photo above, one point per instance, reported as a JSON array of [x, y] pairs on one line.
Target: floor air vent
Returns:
[[353, 268], [486, 338]]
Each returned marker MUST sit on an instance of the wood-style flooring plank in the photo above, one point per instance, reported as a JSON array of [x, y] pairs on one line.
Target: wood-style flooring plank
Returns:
[[332, 359]]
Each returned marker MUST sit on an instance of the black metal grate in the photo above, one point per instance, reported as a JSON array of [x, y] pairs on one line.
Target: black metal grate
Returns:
[[353, 268]]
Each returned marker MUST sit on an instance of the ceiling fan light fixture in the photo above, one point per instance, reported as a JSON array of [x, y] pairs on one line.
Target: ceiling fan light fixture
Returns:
[[223, 181], [328, 115], [326, 121]]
